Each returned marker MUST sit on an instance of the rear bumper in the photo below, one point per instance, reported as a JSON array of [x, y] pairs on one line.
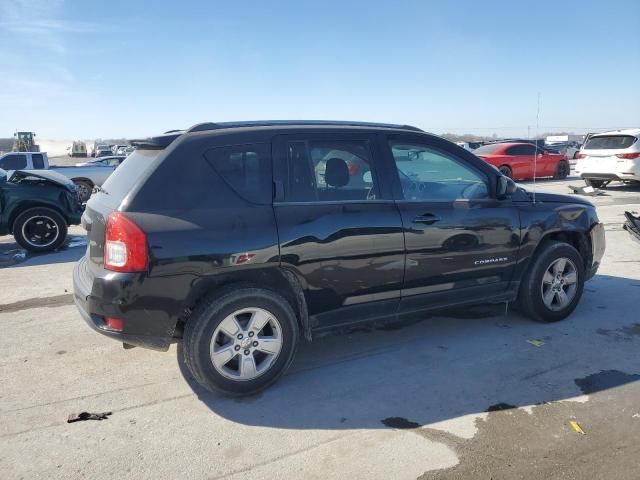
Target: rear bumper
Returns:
[[110, 295], [610, 176]]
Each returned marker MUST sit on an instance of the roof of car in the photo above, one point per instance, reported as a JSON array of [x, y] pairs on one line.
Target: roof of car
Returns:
[[169, 136], [628, 131]]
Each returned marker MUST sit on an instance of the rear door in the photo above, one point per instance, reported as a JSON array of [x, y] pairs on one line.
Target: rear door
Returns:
[[461, 244], [339, 229]]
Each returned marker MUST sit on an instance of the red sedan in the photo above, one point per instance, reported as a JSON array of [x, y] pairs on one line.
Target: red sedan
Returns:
[[518, 160]]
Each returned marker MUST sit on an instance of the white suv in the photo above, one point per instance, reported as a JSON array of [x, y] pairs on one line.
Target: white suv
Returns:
[[610, 156]]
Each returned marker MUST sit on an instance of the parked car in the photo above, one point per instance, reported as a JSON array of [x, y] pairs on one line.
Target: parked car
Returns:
[[519, 160], [36, 207], [568, 149], [104, 152], [610, 156], [247, 246], [85, 177], [78, 149], [632, 225]]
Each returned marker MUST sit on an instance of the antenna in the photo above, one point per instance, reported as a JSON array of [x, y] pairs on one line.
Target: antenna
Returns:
[[535, 158]]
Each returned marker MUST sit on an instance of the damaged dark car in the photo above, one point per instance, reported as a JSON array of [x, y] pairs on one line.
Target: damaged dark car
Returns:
[[632, 225], [241, 239], [37, 207]]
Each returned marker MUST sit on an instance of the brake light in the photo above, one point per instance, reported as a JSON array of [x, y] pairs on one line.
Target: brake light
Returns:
[[628, 156], [125, 245], [580, 155]]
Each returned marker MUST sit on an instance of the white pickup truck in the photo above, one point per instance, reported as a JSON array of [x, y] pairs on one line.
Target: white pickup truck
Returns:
[[85, 177]]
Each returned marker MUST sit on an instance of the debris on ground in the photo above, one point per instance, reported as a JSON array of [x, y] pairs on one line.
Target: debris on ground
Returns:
[[82, 416], [576, 426], [632, 225], [536, 342], [586, 190]]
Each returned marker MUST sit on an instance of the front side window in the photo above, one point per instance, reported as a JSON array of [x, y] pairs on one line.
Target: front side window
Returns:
[[13, 162], [430, 174], [331, 170]]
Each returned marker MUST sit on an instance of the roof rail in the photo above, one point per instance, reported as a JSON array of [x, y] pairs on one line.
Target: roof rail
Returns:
[[202, 127]]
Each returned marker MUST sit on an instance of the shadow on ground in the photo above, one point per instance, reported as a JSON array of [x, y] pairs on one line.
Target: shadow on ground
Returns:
[[13, 256], [447, 367]]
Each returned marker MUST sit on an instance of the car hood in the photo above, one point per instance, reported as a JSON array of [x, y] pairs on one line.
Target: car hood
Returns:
[[52, 177], [557, 198]]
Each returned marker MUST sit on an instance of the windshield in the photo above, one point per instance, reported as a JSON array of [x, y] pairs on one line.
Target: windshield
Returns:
[[487, 149], [610, 142]]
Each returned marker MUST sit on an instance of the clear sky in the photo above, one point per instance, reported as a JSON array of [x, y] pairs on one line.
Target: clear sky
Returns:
[[112, 68]]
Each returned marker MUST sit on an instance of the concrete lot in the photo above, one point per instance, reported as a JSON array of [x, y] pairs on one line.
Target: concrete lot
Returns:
[[458, 396]]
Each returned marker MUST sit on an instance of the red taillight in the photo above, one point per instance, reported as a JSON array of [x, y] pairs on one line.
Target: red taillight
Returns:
[[114, 324], [580, 155], [125, 245], [628, 156]]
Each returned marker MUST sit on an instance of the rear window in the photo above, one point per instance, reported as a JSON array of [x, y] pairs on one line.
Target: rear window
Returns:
[[122, 180], [610, 142], [487, 149]]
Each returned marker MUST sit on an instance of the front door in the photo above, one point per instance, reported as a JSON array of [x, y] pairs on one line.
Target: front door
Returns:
[[339, 229], [461, 244]]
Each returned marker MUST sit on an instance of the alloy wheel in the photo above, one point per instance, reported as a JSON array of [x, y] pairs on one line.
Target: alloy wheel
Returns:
[[559, 284]]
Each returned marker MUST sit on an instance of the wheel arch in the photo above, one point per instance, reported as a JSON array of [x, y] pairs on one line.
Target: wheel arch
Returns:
[[83, 179], [280, 281]]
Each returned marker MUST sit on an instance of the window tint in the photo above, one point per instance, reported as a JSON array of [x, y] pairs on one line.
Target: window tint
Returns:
[[13, 162], [330, 170], [487, 149], [38, 161], [427, 173], [521, 150], [610, 142], [246, 169]]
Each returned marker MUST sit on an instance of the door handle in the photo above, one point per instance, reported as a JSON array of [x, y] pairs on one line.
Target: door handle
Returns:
[[427, 218]]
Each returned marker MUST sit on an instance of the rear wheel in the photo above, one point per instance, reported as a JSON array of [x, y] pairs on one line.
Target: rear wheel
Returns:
[[506, 171], [241, 340], [553, 285], [40, 229], [562, 171]]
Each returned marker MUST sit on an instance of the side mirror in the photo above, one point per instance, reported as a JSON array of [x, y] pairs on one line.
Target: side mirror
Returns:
[[505, 187]]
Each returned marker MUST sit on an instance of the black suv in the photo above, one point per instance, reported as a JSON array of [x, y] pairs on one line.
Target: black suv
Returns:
[[242, 238]]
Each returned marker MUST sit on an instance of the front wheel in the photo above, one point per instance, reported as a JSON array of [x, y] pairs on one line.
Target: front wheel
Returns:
[[241, 340], [39, 229], [553, 284]]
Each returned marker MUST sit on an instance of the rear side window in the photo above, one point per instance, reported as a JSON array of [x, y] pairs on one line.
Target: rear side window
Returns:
[[521, 150], [610, 142], [38, 161], [330, 170], [13, 162], [246, 169]]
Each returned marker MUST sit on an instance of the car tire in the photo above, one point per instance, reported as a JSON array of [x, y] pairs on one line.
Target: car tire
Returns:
[[39, 229], [506, 171], [226, 352], [562, 171], [539, 297], [84, 189]]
